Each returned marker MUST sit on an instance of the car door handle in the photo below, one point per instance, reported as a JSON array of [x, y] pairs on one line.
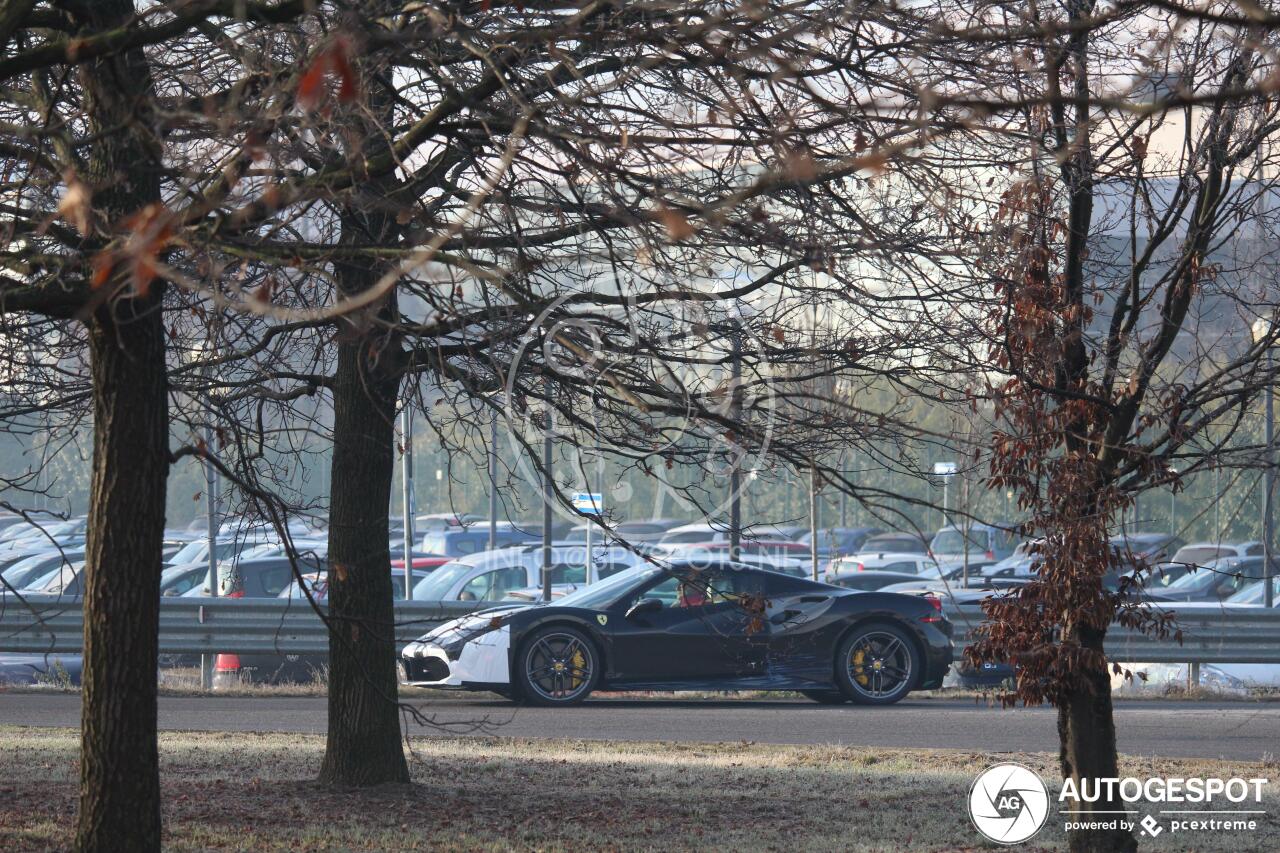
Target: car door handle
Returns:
[[779, 618], [813, 599]]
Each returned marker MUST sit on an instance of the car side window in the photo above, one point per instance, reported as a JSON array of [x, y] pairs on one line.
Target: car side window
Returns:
[[568, 573], [666, 591], [187, 582], [275, 580], [905, 566], [494, 585]]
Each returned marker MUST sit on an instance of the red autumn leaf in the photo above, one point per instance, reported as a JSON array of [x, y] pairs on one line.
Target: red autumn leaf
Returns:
[[677, 225], [346, 74], [334, 60], [311, 87], [152, 230], [103, 264]]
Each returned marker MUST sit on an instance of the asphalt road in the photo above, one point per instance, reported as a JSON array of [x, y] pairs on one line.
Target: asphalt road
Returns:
[[1241, 731]]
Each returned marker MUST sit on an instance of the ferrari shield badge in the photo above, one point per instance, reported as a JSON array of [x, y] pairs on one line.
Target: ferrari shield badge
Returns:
[[601, 618]]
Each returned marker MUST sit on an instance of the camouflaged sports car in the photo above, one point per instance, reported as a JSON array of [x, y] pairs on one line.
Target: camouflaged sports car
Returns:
[[693, 626]]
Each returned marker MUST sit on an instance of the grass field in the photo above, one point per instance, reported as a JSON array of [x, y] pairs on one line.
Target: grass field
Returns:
[[252, 792]]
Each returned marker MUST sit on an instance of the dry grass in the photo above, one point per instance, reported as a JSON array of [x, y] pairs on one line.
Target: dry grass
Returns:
[[250, 791]]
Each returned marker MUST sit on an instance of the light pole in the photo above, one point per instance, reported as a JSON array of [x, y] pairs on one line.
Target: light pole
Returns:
[[945, 470], [211, 485], [548, 488], [407, 498], [1262, 329], [735, 414], [813, 518], [493, 480], [1268, 522]]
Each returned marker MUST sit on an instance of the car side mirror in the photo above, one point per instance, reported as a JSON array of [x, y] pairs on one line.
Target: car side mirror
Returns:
[[643, 606]]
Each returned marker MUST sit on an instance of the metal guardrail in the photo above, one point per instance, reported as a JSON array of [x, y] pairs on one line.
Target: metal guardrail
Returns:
[[1211, 634], [245, 626]]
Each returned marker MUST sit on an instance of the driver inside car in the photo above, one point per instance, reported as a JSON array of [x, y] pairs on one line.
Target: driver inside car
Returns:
[[691, 594]]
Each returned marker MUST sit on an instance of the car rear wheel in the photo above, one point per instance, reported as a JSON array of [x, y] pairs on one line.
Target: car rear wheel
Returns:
[[826, 697], [877, 664], [557, 666]]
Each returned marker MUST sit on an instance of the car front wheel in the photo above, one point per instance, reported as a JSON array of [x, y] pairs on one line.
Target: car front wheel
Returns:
[[877, 664], [557, 666]]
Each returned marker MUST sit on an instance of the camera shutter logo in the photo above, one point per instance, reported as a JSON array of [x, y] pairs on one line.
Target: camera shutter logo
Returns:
[[1008, 803]]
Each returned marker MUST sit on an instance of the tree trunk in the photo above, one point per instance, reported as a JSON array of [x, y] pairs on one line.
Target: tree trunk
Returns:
[[363, 746], [1087, 737], [119, 767]]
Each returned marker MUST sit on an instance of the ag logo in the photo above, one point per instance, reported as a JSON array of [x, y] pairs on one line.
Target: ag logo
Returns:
[[1008, 803], [602, 619]]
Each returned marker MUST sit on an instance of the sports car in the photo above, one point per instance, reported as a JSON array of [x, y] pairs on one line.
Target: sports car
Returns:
[[693, 626]]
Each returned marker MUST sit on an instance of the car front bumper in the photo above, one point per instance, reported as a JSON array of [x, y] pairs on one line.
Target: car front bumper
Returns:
[[484, 660]]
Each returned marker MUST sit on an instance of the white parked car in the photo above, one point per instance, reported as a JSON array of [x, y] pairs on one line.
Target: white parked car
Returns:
[[709, 533], [1199, 553], [910, 564], [493, 575]]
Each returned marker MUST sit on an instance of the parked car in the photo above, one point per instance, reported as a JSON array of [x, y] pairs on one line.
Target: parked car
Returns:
[[1199, 553], [839, 541], [318, 583], [62, 580], [1255, 594], [419, 560], [263, 578], [1149, 547], [903, 563], [1164, 575], [448, 521], [492, 575], [318, 547], [28, 570], [702, 532], [894, 542], [683, 627], [229, 547], [178, 580], [1218, 580], [992, 541], [779, 550], [457, 542], [48, 534], [871, 581], [956, 591], [627, 531]]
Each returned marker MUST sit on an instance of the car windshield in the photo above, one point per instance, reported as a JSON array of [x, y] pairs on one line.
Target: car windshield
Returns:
[[1207, 576], [55, 581], [435, 586], [190, 552], [25, 565], [600, 595]]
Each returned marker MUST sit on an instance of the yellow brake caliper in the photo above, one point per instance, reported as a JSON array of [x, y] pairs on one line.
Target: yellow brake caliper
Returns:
[[859, 673], [579, 664]]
